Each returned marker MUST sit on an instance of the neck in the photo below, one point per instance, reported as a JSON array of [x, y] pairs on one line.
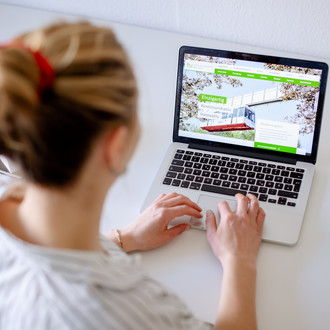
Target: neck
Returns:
[[61, 218]]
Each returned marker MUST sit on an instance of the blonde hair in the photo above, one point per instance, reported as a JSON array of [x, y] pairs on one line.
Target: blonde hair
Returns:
[[50, 135]]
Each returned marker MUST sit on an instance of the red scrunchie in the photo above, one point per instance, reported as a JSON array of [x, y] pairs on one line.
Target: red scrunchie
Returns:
[[47, 73]]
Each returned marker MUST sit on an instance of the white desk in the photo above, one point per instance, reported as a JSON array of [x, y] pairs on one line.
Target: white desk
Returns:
[[293, 286]]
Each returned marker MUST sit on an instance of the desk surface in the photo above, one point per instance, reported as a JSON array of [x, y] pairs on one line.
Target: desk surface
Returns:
[[293, 285]]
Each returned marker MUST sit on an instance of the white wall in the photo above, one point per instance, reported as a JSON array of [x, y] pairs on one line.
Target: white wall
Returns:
[[297, 26]]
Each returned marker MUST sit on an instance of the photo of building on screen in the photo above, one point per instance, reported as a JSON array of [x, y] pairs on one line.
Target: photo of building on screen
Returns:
[[274, 105]]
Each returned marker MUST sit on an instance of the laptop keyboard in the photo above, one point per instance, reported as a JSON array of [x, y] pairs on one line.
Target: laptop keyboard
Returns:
[[269, 182]]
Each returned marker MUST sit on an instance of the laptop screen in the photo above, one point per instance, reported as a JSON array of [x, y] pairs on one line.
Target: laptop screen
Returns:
[[269, 104]]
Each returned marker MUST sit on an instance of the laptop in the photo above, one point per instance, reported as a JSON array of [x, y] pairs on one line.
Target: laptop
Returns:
[[244, 123]]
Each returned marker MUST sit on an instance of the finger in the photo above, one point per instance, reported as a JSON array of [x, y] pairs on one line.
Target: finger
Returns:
[[254, 205], [180, 210], [211, 225], [242, 204], [181, 200], [177, 230], [224, 209], [161, 196], [261, 219]]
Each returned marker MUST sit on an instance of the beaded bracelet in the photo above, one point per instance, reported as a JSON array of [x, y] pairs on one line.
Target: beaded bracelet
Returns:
[[118, 238]]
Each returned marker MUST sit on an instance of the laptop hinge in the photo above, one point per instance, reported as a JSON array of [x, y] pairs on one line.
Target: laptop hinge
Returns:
[[243, 153]]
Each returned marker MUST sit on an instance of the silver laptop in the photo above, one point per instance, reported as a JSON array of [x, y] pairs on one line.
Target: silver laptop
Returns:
[[245, 123]]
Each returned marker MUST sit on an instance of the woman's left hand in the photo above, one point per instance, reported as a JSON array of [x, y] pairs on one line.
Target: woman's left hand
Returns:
[[150, 230]]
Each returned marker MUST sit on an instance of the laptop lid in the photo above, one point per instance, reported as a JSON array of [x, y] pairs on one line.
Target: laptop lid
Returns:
[[253, 105]]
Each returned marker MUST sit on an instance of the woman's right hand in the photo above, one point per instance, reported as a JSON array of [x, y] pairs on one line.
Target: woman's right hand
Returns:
[[238, 236]]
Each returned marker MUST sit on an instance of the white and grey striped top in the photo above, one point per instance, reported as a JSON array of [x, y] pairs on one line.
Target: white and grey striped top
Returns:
[[47, 288]]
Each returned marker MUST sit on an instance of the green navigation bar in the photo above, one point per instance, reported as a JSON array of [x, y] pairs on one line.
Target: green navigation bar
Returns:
[[275, 147], [212, 98], [267, 77]]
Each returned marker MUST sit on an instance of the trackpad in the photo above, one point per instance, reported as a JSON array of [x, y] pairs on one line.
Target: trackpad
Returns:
[[210, 203]]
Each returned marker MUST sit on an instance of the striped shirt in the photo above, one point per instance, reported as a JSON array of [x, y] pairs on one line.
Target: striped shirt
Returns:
[[48, 288]]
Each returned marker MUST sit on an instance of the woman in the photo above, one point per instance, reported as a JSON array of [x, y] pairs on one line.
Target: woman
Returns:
[[68, 118]]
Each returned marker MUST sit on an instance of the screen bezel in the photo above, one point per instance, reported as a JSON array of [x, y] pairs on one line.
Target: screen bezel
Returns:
[[256, 58]]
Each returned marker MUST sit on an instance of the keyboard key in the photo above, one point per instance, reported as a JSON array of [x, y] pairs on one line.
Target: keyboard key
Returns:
[[282, 201], [177, 162], [206, 173], [272, 191], [190, 178], [243, 161], [253, 188], [181, 176], [176, 183], [235, 185], [176, 168], [195, 159], [263, 190], [271, 165], [269, 177], [198, 154], [222, 190], [263, 198], [287, 180], [296, 175], [266, 170], [269, 184], [260, 183], [197, 172], [251, 175], [291, 204], [171, 175], [189, 152], [188, 170], [296, 188], [204, 160], [280, 167], [199, 179], [179, 151], [207, 155], [248, 167], [239, 166], [260, 176], [252, 162], [241, 173], [279, 185], [213, 161], [275, 171], [257, 169], [232, 171], [234, 160], [241, 179], [207, 180], [288, 194], [244, 187], [206, 167], [230, 164], [223, 176], [278, 179], [217, 182], [285, 173], [270, 200], [186, 157], [167, 181], [290, 168], [262, 164], [221, 163], [232, 178], [188, 164], [251, 181], [288, 187], [224, 170], [178, 156], [185, 184], [225, 183], [300, 170], [254, 193], [216, 157], [195, 186], [225, 158], [214, 175]]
